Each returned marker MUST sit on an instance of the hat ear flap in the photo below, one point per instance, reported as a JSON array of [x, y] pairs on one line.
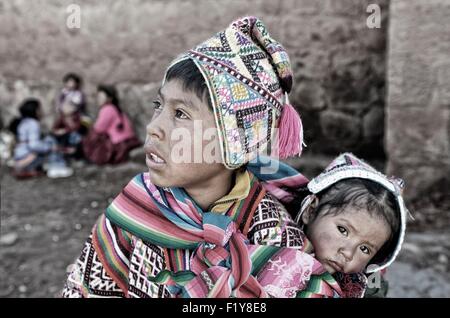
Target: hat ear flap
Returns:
[[308, 204], [398, 183]]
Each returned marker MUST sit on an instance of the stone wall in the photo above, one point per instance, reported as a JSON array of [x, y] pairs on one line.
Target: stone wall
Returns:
[[339, 63], [418, 105]]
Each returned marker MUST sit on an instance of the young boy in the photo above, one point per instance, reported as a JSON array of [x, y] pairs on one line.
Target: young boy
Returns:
[[182, 229]]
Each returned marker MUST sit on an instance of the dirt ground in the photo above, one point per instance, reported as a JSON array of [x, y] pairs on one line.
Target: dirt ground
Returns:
[[44, 223]]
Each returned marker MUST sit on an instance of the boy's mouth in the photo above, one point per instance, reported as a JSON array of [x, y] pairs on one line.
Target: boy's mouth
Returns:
[[156, 159], [153, 158], [153, 161]]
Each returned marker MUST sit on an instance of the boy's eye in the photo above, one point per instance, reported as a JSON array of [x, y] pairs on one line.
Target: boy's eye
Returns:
[[342, 230], [365, 249], [180, 114], [157, 104]]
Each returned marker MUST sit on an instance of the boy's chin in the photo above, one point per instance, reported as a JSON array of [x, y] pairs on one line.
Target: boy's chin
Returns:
[[159, 180]]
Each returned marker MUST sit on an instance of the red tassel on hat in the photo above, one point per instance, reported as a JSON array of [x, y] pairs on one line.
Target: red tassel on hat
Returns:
[[290, 132]]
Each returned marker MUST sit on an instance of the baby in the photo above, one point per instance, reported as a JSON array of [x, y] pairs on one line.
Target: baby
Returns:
[[354, 217]]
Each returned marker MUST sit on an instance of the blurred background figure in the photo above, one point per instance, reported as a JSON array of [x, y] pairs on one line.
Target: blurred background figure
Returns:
[[6, 145], [31, 149], [112, 136], [72, 121]]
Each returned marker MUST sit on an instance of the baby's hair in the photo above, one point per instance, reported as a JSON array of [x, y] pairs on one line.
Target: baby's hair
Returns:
[[192, 80], [368, 196], [72, 76]]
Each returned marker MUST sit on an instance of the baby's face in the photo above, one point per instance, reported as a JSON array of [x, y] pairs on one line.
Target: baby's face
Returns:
[[348, 241], [180, 140]]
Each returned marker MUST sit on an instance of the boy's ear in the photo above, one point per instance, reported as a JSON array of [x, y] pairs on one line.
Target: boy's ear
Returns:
[[308, 215]]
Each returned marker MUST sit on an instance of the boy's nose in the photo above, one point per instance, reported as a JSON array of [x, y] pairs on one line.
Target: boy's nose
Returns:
[[155, 128]]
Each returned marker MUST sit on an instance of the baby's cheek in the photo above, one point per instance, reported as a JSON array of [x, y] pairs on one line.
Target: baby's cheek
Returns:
[[356, 267], [324, 244], [325, 237]]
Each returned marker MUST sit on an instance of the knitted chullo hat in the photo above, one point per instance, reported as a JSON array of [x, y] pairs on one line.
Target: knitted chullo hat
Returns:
[[348, 166], [249, 75]]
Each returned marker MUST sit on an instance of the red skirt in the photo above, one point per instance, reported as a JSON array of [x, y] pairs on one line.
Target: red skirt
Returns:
[[98, 148]]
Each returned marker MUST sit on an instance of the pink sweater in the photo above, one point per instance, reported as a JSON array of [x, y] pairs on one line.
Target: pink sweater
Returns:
[[108, 122]]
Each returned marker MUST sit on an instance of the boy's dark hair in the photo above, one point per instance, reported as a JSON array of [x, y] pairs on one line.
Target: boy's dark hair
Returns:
[[192, 80], [28, 109], [72, 76], [367, 195], [111, 92]]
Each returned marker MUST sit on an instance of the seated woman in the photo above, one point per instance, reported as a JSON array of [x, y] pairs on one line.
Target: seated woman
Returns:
[[112, 136]]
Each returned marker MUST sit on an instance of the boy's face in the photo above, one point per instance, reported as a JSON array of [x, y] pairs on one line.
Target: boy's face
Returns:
[[179, 136], [346, 242]]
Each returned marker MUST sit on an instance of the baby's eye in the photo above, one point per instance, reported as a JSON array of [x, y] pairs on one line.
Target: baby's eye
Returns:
[[157, 104], [342, 230], [180, 114], [365, 249]]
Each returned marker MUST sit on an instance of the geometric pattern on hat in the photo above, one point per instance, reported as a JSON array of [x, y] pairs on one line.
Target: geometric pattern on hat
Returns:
[[247, 73], [347, 166]]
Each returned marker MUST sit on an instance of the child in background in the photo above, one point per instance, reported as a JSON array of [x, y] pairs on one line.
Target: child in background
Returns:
[[72, 93], [72, 121], [112, 136], [6, 144], [31, 150]]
